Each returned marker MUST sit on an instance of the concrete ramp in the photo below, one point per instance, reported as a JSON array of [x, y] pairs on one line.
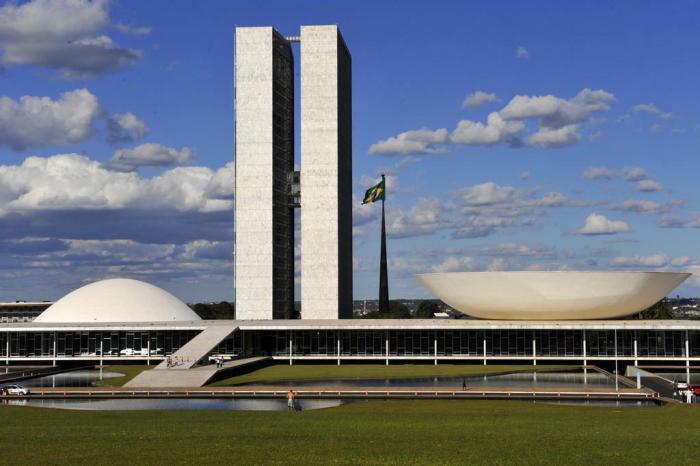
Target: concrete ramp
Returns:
[[181, 372], [198, 347], [194, 377]]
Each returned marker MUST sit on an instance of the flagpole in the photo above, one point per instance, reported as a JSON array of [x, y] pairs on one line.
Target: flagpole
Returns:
[[383, 275]]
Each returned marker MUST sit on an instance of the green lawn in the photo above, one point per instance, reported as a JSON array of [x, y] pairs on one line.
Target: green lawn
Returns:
[[377, 432], [355, 371], [129, 371]]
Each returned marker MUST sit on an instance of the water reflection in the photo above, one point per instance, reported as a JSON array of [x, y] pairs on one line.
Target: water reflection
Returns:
[[532, 379], [80, 378], [180, 404]]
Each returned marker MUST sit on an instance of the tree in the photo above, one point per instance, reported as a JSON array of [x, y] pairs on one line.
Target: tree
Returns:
[[659, 311], [397, 310], [427, 308], [212, 311]]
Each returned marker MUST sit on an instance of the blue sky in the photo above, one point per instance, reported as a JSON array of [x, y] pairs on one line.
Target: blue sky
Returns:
[[517, 135]]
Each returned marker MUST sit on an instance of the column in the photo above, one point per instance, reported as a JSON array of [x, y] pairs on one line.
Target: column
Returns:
[[7, 350], [339, 349], [636, 362], [585, 361], [54, 348], [148, 347], [387, 347], [534, 350], [290, 348], [617, 386], [484, 349], [435, 348], [687, 358]]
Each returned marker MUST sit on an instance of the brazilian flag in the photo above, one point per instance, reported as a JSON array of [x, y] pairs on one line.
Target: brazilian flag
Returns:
[[375, 193]]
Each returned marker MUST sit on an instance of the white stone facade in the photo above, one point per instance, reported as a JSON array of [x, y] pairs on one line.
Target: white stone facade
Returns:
[[264, 217], [326, 174], [263, 271]]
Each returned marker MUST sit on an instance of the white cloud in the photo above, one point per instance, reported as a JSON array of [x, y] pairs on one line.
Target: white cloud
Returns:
[[41, 121], [116, 249], [600, 225], [206, 249], [555, 112], [652, 109], [149, 155], [641, 207], [421, 141], [63, 35], [682, 261], [649, 186], [455, 264], [515, 249], [131, 30], [125, 127], [74, 182], [556, 137], [634, 174], [522, 53], [559, 124], [599, 173], [676, 222], [478, 99], [423, 218], [655, 260], [486, 194], [475, 133], [525, 175]]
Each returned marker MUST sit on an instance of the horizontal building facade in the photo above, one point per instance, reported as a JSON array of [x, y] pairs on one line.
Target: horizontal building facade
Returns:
[[628, 342]]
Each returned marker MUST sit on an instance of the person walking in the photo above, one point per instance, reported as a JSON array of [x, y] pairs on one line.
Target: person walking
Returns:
[[464, 384], [290, 401]]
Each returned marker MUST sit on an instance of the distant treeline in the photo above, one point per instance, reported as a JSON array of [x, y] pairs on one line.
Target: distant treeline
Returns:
[[398, 310], [211, 311]]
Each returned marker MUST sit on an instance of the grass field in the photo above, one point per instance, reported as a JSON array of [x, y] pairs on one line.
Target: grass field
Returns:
[[377, 432], [129, 371], [356, 371]]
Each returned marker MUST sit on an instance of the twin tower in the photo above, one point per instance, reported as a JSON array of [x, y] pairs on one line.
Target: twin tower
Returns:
[[268, 189]]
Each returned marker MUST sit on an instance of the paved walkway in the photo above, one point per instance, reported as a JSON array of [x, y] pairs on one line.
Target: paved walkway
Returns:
[[280, 391], [190, 377]]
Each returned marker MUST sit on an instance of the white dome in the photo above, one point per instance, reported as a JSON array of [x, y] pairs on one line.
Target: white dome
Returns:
[[118, 300]]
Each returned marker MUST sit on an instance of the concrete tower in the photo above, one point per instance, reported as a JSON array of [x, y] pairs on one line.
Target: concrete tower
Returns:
[[264, 217], [326, 174]]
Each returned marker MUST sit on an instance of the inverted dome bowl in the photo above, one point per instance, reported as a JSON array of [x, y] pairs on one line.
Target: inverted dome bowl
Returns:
[[550, 295]]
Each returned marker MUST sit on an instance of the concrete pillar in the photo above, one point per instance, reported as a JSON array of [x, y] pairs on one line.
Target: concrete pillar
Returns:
[[617, 385], [387, 348], [636, 362], [7, 349], [148, 348], [102, 353], [534, 350], [687, 358], [290, 350], [585, 361], [484, 351], [54, 348], [435, 349], [339, 350]]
